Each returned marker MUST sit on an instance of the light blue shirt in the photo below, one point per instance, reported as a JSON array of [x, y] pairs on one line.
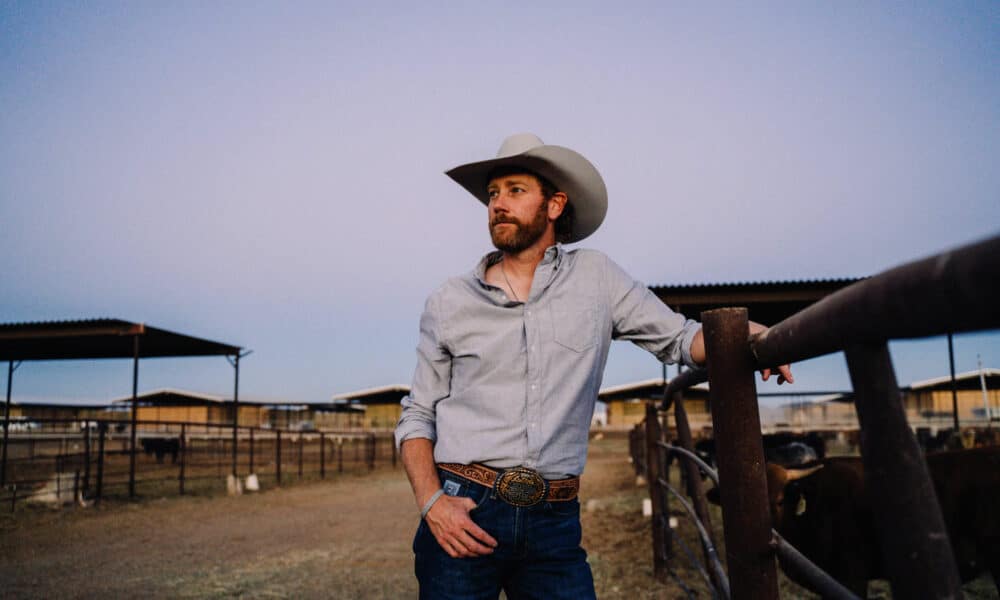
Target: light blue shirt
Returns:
[[507, 383]]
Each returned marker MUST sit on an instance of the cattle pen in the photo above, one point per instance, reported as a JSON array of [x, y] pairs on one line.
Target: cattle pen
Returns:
[[952, 292], [66, 460]]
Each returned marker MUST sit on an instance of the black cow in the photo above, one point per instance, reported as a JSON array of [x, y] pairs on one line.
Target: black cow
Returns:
[[161, 447], [826, 513], [787, 449]]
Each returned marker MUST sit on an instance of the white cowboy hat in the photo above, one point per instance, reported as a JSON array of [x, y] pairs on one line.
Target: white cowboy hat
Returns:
[[569, 171]]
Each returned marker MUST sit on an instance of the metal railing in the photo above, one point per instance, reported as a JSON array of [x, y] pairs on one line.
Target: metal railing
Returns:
[[948, 293]]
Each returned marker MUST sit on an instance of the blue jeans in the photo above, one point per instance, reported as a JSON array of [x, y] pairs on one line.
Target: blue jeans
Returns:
[[538, 553]]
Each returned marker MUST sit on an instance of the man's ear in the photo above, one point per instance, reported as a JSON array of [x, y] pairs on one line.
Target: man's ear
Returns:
[[556, 205]]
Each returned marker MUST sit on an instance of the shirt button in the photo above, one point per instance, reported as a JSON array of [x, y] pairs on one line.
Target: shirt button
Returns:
[[529, 313], [533, 386], [533, 425]]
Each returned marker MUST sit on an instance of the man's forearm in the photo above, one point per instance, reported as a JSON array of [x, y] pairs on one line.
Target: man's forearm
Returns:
[[418, 461]]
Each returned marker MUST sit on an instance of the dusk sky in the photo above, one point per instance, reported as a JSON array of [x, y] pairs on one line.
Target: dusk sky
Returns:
[[271, 175]]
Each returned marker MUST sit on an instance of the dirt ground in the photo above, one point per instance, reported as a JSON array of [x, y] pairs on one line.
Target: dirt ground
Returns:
[[347, 537]]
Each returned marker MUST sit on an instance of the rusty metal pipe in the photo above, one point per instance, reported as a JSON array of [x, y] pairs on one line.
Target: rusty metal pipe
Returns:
[[711, 555], [914, 540], [745, 510], [951, 292], [818, 579]]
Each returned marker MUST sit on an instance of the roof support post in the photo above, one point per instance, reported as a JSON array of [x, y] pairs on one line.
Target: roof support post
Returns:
[[135, 411], [11, 367], [235, 362], [236, 409], [954, 384]]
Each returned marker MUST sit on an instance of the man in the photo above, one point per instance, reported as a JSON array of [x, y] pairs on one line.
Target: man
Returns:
[[494, 433]]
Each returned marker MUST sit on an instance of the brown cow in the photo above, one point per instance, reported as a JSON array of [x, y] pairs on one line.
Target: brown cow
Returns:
[[825, 513]]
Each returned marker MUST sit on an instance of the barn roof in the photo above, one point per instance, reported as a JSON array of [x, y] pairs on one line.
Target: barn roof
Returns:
[[650, 389], [386, 394], [100, 338], [767, 302], [963, 381]]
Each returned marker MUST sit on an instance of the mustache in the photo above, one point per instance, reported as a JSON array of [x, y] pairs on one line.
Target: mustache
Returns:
[[497, 220]]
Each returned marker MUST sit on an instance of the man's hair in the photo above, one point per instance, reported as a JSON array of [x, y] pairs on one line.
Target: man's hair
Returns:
[[564, 224]]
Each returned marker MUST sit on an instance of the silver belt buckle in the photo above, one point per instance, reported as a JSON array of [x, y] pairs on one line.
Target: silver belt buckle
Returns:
[[521, 486]]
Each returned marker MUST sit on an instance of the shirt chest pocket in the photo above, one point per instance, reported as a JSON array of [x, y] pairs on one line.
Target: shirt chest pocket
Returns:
[[574, 323]]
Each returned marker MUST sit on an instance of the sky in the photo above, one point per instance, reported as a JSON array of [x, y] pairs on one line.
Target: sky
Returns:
[[270, 175]]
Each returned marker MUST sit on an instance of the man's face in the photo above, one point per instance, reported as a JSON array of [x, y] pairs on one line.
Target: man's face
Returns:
[[518, 212]]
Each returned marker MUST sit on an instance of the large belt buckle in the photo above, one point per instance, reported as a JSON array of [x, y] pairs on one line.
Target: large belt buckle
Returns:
[[521, 486]]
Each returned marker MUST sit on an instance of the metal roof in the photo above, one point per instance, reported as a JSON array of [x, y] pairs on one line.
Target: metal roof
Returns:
[[649, 389], [386, 394], [99, 338], [767, 302], [963, 381]]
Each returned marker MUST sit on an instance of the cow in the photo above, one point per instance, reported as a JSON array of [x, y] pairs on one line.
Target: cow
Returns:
[[826, 513], [784, 448], [162, 447]]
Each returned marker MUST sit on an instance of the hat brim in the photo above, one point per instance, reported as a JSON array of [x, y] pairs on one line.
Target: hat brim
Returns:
[[568, 170]]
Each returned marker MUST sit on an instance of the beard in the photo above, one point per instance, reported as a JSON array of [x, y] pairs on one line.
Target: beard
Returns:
[[522, 235]]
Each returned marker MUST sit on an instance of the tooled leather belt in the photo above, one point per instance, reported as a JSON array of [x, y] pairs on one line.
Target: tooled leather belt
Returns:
[[519, 486]]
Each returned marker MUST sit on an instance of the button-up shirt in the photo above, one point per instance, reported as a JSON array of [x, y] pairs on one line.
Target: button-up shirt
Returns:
[[507, 383]]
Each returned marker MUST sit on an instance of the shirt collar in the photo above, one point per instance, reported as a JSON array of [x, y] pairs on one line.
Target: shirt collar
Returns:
[[553, 257]]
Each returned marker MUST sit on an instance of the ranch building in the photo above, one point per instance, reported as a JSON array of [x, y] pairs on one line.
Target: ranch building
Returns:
[[381, 405]]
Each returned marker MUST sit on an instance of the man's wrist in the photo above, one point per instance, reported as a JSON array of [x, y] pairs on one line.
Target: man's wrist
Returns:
[[430, 503]]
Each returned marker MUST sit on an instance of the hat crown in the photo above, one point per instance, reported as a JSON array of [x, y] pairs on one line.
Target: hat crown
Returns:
[[519, 143]]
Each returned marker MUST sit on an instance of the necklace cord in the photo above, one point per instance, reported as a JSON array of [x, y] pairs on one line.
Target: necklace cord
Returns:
[[509, 286]]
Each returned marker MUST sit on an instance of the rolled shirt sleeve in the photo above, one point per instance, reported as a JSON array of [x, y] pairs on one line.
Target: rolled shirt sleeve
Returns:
[[642, 318], [431, 380]]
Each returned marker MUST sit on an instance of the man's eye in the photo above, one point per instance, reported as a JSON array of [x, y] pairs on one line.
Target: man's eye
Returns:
[[492, 193], [517, 190]]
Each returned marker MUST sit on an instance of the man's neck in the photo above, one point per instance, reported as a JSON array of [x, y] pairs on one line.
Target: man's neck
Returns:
[[522, 264]]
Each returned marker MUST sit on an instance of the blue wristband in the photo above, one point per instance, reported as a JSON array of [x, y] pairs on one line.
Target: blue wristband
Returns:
[[430, 503]]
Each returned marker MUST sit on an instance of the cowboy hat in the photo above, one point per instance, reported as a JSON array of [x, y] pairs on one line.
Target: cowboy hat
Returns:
[[569, 171]]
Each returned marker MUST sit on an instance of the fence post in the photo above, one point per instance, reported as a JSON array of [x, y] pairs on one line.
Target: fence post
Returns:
[[661, 535], [102, 429], [277, 457], [183, 453], [340, 454], [393, 444], [914, 541], [371, 452], [302, 443], [740, 453], [250, 472], [693, 477], [322, 455], [86, 460]]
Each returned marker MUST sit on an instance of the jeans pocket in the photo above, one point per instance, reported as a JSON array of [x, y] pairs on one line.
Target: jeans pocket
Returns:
[[568, 508]]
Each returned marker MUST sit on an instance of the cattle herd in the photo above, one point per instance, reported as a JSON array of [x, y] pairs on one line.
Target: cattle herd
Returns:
[[821, 506]]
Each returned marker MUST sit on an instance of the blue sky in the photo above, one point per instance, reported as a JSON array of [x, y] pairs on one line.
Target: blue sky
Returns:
[[271, 175]]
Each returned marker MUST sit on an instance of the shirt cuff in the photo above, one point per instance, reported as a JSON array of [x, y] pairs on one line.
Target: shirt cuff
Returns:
[[692, 328], [406, 431]]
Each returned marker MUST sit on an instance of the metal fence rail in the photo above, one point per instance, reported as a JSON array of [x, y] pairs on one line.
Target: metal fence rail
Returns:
[[951, 292]]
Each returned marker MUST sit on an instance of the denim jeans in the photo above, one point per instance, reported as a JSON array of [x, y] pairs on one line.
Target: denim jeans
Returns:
[[538, 553]]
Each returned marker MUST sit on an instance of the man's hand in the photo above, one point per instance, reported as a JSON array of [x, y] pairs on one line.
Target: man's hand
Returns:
[[784, 371], [455, 531], [698, 354]]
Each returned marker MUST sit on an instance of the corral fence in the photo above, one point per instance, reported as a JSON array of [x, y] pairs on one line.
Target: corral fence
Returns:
[[952, 292], [62, 460]]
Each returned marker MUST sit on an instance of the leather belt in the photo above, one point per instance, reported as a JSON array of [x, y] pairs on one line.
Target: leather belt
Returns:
[[519, 486]]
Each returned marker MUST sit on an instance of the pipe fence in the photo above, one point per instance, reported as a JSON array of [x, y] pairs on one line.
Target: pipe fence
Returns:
[[947, 293], [59, 461]]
